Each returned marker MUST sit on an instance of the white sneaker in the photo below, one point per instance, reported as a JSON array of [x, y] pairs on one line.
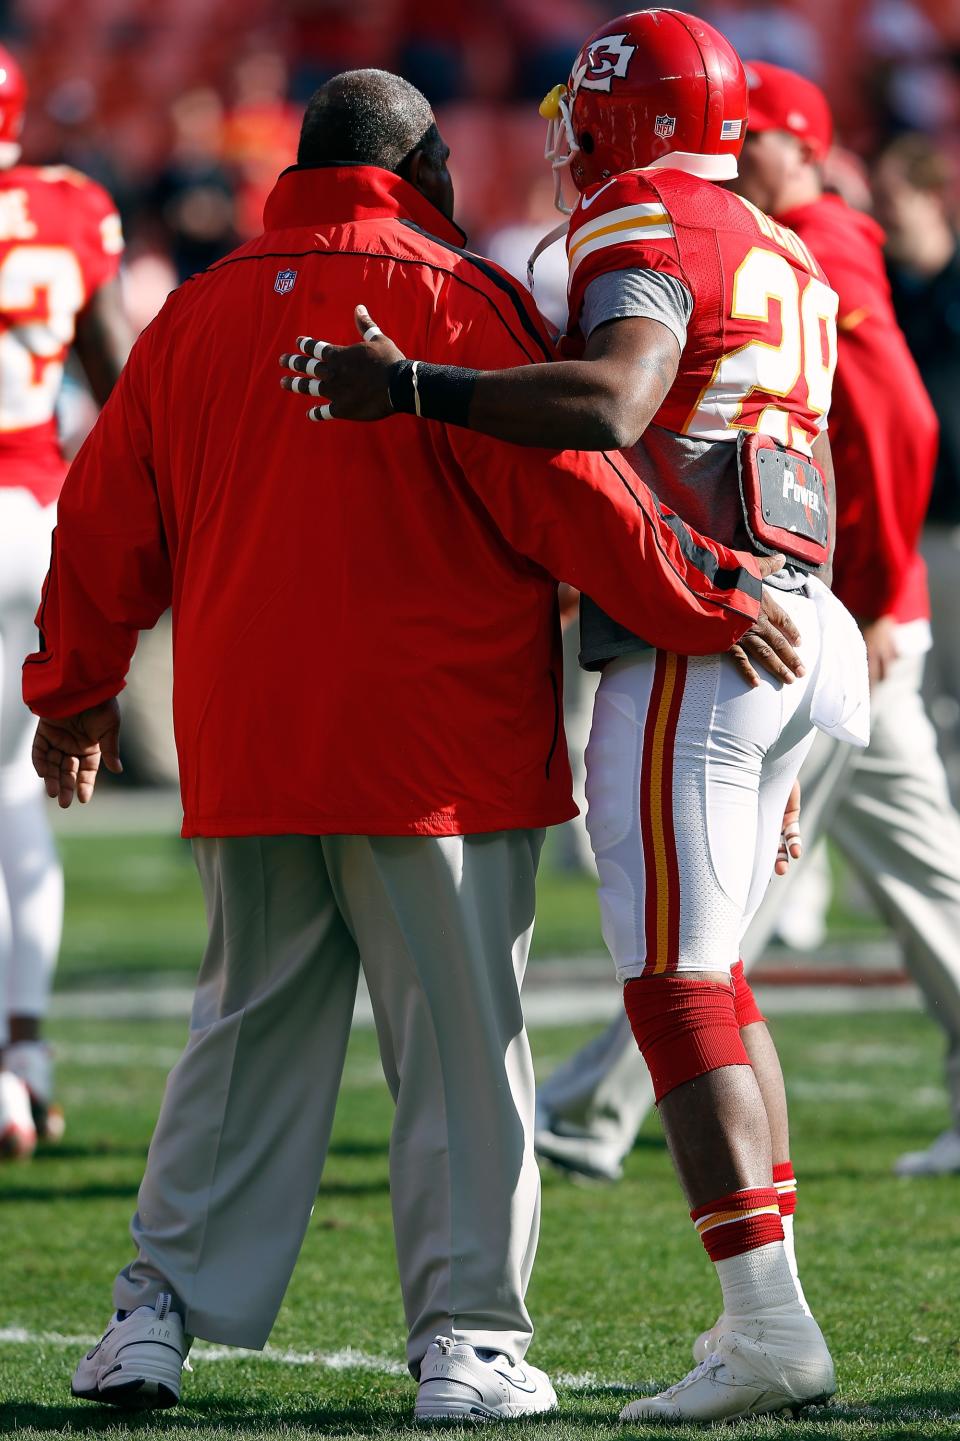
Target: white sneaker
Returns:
[[942, 1158], [137, 1362], [18, 1134], [765, 1365], [459, 1383], [32, 1061]]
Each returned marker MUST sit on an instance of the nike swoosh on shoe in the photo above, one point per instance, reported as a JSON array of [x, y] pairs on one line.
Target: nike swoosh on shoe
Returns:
[[530, 1390]]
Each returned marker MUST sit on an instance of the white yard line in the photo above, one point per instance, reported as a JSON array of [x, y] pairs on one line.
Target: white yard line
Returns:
[[556, 1004], [348, 1359]]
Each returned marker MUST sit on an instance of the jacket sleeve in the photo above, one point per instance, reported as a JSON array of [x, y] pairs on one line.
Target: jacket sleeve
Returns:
[[883, 433], [109, 574], [589, 519]]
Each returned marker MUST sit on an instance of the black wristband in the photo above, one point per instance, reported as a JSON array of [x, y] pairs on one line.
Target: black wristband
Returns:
[[400, 387], [434, 392]]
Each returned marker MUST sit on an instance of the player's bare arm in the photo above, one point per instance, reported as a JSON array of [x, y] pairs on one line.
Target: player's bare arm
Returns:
[[103, 339], [604, 401]]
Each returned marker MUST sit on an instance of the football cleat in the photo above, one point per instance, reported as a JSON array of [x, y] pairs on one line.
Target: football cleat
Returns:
[[18, 1134], [138, 1360], [459, 1383], [33, 1063], [942, 1158], [704, 1344], [757, 1367]]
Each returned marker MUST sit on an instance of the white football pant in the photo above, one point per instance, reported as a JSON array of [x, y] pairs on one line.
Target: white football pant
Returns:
[[31, 880], [688, 773]]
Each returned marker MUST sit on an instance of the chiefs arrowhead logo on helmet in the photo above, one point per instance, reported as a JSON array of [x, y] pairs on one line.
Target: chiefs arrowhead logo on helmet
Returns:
[[601, 62]]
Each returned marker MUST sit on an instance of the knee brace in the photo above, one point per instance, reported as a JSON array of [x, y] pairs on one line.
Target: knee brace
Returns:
[[744, 1001], [684, 1028]]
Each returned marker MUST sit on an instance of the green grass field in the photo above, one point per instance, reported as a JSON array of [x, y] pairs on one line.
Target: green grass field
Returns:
[[133, 905], [621, 1284]]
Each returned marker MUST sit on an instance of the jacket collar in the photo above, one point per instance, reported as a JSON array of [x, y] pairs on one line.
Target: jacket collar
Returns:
[[336, 194]]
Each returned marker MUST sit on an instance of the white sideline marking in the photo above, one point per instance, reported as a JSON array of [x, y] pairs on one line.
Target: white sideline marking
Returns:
[[349, 1359]]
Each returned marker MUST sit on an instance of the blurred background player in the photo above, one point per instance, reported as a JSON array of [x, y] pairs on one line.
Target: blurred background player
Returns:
[[886, 808], [913, 183], [60, 244]]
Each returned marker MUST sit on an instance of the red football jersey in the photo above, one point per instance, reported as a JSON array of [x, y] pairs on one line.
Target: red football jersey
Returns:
[[60, 240], [883, 429], [762, 340]]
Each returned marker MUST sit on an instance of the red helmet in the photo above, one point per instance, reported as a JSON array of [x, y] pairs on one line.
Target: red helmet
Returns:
[[644, 86], [13, 98]]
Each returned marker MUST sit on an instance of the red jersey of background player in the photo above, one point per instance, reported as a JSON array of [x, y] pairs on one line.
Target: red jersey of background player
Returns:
[[760, 352], [60, 241], [883, 429]]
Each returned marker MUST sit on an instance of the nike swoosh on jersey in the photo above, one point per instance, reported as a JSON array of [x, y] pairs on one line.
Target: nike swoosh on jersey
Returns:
[[585, 203]]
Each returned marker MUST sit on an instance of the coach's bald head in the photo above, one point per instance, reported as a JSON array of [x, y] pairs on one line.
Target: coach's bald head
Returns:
[[370, 117]]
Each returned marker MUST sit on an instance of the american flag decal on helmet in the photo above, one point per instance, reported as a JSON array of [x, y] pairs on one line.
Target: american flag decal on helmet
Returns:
[[665, 125], [285, 281]]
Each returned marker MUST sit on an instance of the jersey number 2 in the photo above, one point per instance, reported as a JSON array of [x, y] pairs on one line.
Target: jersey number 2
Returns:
[[41, 291]]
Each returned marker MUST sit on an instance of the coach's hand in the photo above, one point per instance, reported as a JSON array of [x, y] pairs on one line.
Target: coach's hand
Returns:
[[880, 638], [354, 378], [770, 640], [67, 752]]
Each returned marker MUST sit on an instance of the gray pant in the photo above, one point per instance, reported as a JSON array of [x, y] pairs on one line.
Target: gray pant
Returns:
[[888, 811], [441, 927]]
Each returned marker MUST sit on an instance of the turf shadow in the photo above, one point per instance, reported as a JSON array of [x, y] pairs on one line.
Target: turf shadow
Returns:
[[64, 1151], [359, 1148], [84, 1419], [90, 1191]]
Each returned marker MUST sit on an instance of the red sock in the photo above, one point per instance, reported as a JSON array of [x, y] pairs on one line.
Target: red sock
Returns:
[[740, 1222], [744, 1001], [785, 1183]]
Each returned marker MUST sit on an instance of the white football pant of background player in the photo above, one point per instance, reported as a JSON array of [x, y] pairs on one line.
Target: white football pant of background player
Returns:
[[31, 879], [888, 810]]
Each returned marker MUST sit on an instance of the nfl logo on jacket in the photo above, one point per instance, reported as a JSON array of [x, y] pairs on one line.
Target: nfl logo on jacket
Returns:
[[285, 281], [665, 125]]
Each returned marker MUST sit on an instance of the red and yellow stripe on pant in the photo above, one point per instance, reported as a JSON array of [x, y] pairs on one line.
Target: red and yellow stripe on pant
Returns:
[[662, 868]]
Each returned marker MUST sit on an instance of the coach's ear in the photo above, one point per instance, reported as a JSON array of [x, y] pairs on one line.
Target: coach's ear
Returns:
[[426, 170]]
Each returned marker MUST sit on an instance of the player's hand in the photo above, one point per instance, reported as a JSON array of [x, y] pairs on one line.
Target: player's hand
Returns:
[[791, 844], [67, 752], [880, 638], [770, 640], [354, 378]]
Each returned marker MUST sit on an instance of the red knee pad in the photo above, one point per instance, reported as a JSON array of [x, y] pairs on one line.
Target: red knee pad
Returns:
[[683, 1028], [744, 1001]]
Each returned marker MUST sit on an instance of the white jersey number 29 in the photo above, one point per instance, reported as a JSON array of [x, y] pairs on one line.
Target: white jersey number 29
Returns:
[[41, 291]]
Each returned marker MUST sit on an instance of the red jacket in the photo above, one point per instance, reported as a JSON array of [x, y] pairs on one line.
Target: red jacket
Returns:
[[883, 430], [365, 616]]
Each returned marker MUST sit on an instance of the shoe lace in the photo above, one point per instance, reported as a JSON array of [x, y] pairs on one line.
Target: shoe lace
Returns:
[[706, 1367]]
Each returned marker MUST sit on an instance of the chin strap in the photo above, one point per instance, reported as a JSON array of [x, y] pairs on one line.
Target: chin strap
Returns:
[[551, 238]]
